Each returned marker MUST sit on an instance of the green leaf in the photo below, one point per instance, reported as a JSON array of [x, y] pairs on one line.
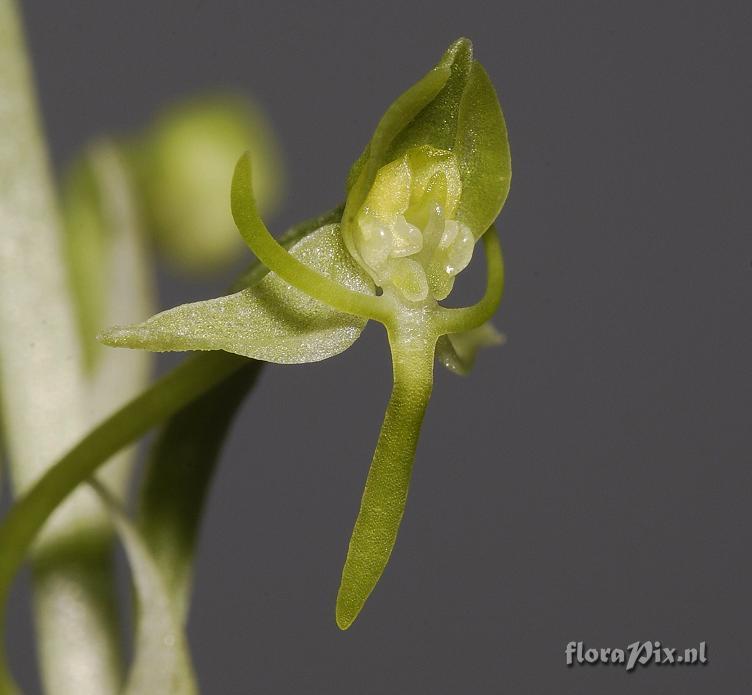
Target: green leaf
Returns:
[[457, 351], [22, 523], [161, 662], [44, 391], [272, 321], [179, 471]]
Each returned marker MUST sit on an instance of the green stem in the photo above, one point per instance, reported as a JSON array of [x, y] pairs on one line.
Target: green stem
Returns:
[[386, 488], [166, 398], [159, 402], [44, 394], [161, 661]]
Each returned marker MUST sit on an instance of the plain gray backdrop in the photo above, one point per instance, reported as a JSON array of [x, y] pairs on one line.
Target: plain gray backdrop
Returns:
[[591, 479]]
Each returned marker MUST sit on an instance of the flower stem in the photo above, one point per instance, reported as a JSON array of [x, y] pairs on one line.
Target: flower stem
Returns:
[[43, 392], [160, 401], [386, 488]]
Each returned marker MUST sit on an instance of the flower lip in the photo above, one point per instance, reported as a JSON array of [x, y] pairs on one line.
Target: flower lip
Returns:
[[405, 235]]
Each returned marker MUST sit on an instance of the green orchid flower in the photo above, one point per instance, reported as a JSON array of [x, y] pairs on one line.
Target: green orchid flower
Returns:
[[428, 186]]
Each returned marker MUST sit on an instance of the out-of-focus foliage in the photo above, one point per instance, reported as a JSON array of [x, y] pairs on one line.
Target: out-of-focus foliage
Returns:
[[184, 163]]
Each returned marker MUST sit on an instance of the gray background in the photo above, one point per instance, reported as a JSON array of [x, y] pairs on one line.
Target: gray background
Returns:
[[591, 479]]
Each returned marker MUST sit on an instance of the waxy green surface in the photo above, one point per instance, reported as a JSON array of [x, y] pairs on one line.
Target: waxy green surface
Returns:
[[313, 304]]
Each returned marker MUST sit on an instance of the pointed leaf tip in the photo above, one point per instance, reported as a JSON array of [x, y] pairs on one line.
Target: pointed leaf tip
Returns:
[[343, 617], [461, 47], [115, 336]]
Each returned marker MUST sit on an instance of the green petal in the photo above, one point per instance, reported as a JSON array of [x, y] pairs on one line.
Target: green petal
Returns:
[[271, 321], [161, 661], [482, 149], [394, 121], [385, 494], [436, 124], [462, 116], [405, 109], [457, 351]]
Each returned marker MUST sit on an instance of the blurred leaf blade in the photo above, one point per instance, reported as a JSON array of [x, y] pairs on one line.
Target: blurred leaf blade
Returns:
[[179, 471], [44, 392], [161, 661], [86, 246], [24, 521], [107, 253]]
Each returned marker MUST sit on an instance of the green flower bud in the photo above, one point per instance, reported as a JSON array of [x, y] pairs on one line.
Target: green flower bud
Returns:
[[430, 182], [185, 167]]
